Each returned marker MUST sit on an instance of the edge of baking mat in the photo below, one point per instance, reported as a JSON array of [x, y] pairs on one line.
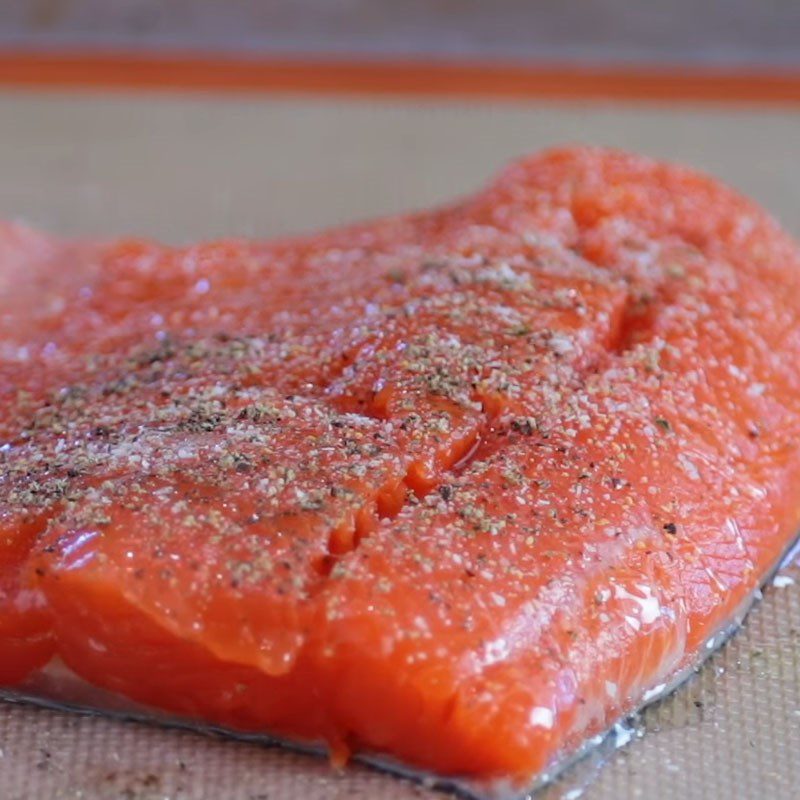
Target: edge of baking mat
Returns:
[[100, 69]]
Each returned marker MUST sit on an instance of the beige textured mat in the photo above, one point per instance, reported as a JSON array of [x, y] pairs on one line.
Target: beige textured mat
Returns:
[[197, 168]]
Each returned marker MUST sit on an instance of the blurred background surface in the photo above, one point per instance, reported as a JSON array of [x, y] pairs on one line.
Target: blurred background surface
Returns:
[[759, 33], [201, 166], [256, 163]]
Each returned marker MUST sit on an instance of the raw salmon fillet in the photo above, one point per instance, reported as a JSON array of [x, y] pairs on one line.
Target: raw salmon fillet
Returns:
[[461, 487]]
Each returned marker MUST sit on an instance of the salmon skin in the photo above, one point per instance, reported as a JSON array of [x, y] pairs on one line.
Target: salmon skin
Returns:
[[462, 488]]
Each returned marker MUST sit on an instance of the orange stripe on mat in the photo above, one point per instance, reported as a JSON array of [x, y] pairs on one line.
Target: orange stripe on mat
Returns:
[[411, 78]]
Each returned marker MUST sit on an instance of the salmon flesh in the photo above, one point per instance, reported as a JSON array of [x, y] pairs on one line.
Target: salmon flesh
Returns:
[[461, 487]]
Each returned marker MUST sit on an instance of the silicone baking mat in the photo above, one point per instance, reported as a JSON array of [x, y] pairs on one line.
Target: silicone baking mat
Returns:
[[181, 168]]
